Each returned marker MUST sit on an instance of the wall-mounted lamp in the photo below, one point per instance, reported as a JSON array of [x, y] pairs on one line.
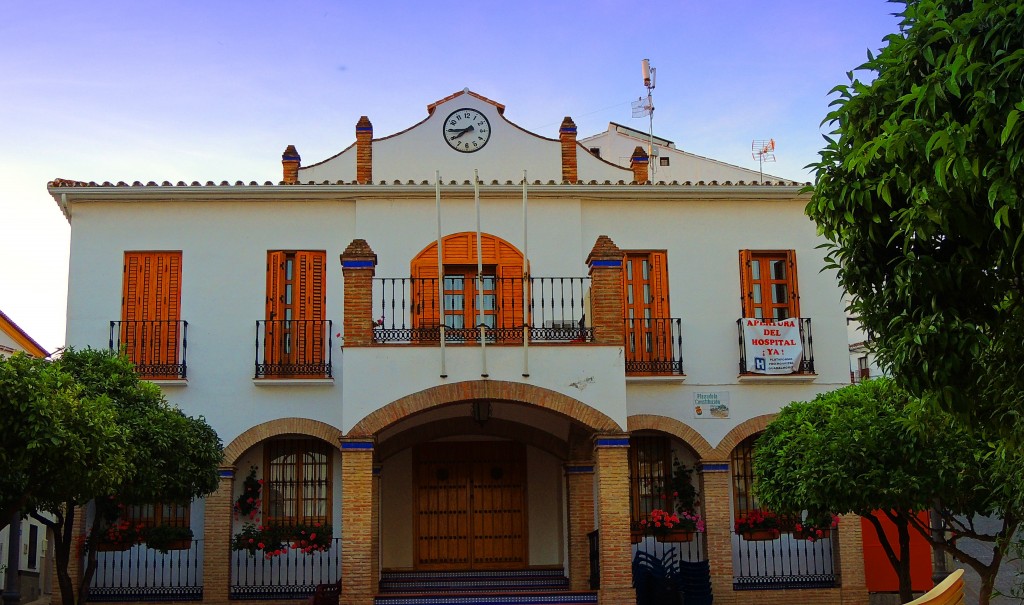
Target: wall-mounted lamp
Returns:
[[481, 411]]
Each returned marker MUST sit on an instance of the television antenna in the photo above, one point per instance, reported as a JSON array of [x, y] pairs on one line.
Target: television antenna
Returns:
[[645, 107], [762, 151]]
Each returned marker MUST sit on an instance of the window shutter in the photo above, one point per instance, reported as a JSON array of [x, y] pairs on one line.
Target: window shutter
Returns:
[[426, 310], [659, 285], [794, 291], [309, 308], [273, 337], [510, 298], [746, 306], [151, 307]]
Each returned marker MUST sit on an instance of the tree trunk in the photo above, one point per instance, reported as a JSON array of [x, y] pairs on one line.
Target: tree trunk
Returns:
[[63, 530], [903, 572], [90, 565]]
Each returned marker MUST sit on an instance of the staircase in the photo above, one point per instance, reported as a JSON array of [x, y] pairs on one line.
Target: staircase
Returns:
[[518, 587]]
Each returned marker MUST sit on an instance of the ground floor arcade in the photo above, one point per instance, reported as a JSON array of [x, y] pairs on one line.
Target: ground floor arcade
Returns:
[[533, 483]]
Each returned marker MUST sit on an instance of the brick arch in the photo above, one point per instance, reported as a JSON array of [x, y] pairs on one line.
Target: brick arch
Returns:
[[671, 426], [281, 426], [495, 427], [495, 390], [740, 432]]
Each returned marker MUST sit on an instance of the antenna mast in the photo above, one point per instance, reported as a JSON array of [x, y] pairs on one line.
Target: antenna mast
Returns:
[[762, 151], [645, 107]]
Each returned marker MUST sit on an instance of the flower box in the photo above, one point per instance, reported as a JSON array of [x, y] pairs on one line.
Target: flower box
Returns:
[[682, 535], [760, 535]]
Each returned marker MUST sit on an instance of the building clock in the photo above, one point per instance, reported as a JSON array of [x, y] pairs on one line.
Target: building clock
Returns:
[[466, 130]]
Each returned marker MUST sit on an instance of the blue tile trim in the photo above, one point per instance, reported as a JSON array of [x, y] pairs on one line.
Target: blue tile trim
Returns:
[[574, 470], [356, 264], [713, 467], [568, 130], [225, 473], [605, 263], [623, 442], [357, 445], [364, 128]]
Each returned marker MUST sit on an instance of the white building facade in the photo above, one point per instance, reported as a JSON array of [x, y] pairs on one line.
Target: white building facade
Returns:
[[502, 412]]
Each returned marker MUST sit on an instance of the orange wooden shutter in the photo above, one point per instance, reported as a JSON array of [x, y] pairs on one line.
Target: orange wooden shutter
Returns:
[[169, 311], [659, 285], [151, 307], [746, 306], [309, 307], [274, 334], [426, 308], [794, 291], [510, 298]]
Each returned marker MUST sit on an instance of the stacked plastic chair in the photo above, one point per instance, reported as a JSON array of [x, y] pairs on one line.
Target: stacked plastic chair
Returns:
[[695, 582]]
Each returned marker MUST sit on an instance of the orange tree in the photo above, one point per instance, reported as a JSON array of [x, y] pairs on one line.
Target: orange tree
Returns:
[[872, 450], [171, 457]]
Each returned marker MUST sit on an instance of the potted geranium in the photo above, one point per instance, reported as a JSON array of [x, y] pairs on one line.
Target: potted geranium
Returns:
[[672, 527], [165, 537], [758, 525]]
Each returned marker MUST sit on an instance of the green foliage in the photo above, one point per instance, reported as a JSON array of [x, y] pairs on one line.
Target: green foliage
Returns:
[[919, 191], [59, 442], [872, 447]]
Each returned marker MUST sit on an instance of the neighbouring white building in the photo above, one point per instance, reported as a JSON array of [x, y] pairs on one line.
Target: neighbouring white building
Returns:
[[34, 559], [504, 414]]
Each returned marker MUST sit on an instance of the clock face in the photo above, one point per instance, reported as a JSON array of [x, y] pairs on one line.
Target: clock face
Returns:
[[466, 130]]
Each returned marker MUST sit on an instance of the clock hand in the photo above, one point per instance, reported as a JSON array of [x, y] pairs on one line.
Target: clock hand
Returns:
[[462, 132]]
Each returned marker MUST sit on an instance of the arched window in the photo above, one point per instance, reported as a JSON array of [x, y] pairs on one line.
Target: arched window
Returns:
[[493, 296], [297, 481]]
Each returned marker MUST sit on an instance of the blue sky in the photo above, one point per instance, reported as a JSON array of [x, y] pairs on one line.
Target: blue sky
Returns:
[[146, 90]]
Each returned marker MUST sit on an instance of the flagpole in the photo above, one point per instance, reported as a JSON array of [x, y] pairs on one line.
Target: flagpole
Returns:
[[440, 271], [526, 294], [480, 278]]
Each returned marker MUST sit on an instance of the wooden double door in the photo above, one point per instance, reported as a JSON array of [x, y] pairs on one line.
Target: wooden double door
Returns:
[[470, 505]]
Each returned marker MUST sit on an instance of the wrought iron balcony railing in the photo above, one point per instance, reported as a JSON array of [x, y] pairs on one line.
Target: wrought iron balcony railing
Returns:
[[764, 345], [291, 348], [409, 309], [654, 346], [156, 347]]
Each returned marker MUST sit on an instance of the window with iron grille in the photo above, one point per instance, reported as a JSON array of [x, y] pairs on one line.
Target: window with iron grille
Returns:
[[297, 482], [743, 478], [151, 515], [651, 461]]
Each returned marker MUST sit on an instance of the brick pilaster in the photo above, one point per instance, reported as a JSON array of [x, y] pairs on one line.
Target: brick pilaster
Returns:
[[357, 521], [605, 262], [639, 163], [290, 162], [364, 150], [854, 589], [611, 471], [717, 525], [375, 527], [217, 539], [579, 481], [567, 135], [358, 263]]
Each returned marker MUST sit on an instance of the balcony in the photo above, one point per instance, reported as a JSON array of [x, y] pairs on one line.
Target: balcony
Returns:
[[654, 347], [156, 347], [407, 310], [774, 349], [293, 349]]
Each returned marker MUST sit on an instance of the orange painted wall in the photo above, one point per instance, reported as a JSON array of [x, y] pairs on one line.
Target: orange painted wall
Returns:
[[881, 577]]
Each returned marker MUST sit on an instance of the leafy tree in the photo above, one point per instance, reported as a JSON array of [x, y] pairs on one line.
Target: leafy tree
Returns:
[[54, 439], [173, 457], [873, 450], [920, 198]]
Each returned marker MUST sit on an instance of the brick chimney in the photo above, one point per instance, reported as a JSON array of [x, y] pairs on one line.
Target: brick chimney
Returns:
[[567, 134], [290, 162], [639, 165], [364, 151]]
